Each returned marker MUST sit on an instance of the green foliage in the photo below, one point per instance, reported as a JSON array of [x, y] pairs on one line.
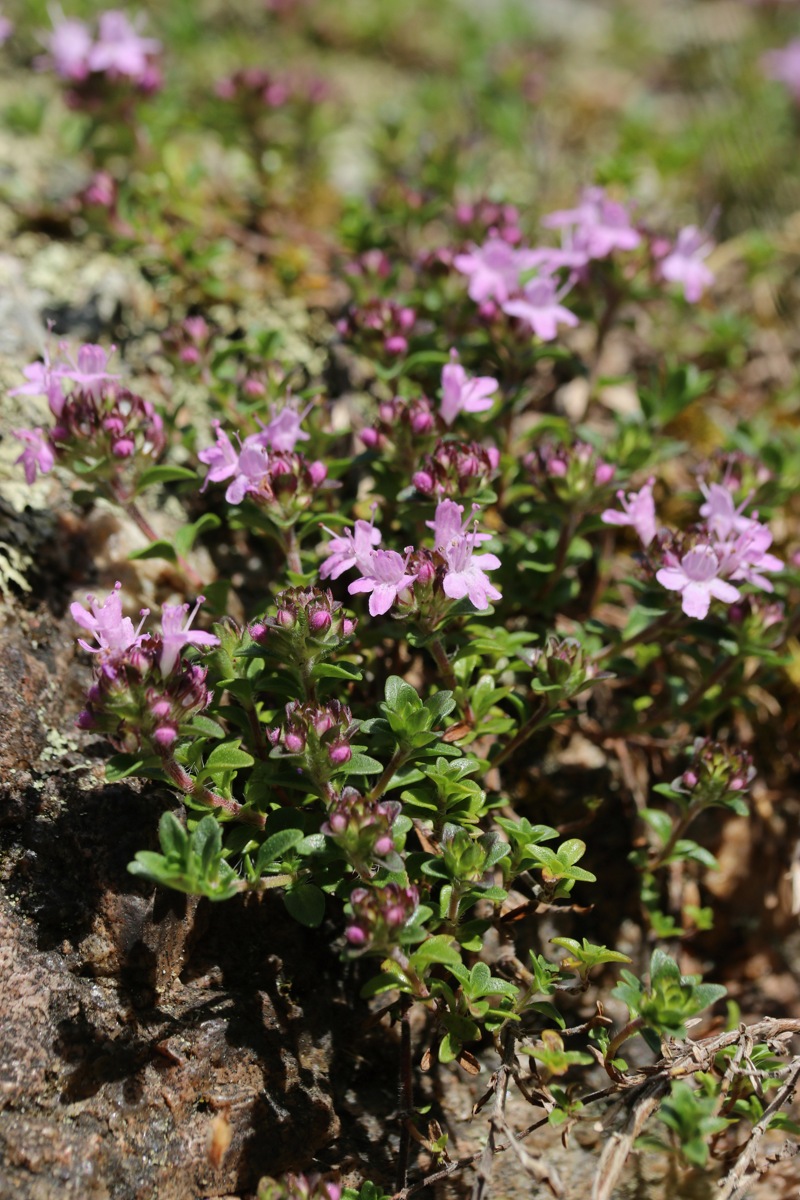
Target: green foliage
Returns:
[[670, 999], [192, 863]]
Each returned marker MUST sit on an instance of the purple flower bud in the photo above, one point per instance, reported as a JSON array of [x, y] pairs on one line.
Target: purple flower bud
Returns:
[[161, 708], [318, 473], [319, 620], [190, 354], [423, 481], [689, 779], [165, 736], [295, 743], [258, 631], [604, 473], [339, 753], [123, 448], [426, 573], [285, 618], [395, 344], [85, 720], [253, 387], [370, 438], [322, 723], [348, 627], [422, 422], [355, 935]]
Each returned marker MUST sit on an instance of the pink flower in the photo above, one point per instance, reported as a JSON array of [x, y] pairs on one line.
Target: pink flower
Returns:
[[350, 550], [113, 632], [784, 66], [121, 50], [465, 573], [746, 556], [283, 431], [494, 269], [639, 510], [541, 307], [221, 458], [598, 225], [37, 455], [721, 515], [70, 45], [684, 264], [462, 394], [448, 524], [251, 468], [90, 371], [43, 380], [6, 29], [696, 577], [385, 576], [176, 633]]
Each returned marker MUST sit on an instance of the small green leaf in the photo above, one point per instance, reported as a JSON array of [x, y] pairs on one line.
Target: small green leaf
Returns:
[[162, 474], [228, 757], [120, 766], [306, 903], [159, 549]]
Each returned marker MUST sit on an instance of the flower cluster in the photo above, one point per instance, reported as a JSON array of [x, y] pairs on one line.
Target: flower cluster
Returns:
[[379, 323], [452, 571], [530, 283], [561, 669], [253, 88], [98, 423], [190, 341], [485, 216], [574, 474], [378, 915], [724, 549], [400, 423], [320, 734], [116, 53], [717, 773], [361, 828], [266, 467], [308, 623], [143, 692], [456, 469]]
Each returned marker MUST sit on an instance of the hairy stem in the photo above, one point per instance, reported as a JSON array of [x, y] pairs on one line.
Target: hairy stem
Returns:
[[394, 764], [190, 787]]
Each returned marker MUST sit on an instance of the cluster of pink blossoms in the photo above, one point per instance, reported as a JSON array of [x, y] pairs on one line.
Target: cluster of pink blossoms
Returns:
[[725, 549], [118, 51], [529, 283], [143, 692], [451, 569], [265, 466], [96, 419]]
